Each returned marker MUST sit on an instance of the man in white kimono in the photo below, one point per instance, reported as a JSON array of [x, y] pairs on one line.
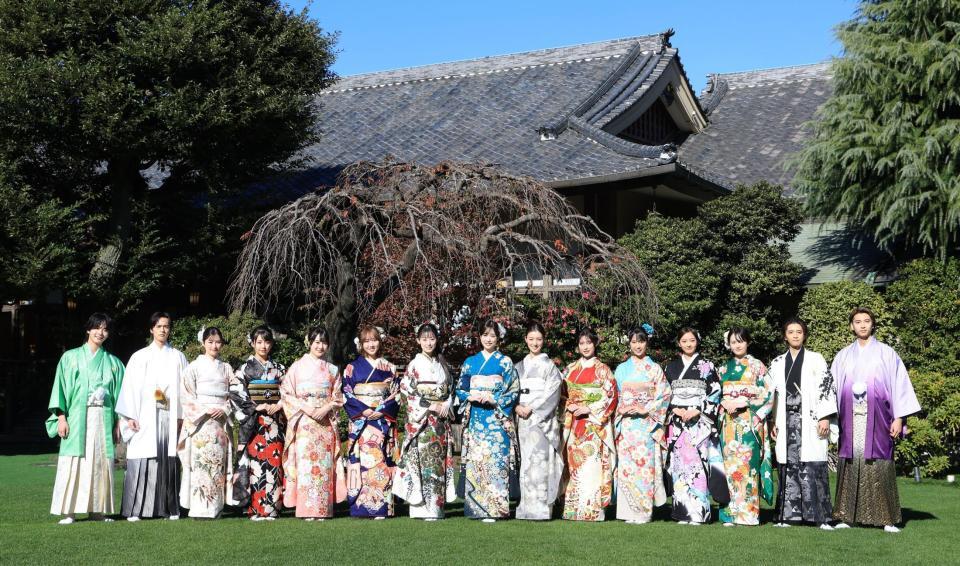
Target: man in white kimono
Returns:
[[150, 410]]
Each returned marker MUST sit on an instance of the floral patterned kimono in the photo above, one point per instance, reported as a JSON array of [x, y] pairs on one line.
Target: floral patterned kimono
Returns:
[[258, 482], [425, 476], [541, 464], [205, 446], [373, 443], [640, 439], [588, 441], [693, 447], [746, 447], [312, 448], [488, 460]]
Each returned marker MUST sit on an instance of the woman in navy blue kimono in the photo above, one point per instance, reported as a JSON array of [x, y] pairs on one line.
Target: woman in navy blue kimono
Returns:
[[370, 387]]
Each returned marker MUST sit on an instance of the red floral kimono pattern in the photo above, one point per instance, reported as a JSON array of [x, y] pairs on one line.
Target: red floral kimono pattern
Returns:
[[258, 485], [588, 442]]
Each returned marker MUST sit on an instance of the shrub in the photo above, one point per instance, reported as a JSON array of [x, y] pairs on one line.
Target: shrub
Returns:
[[235, 328], [826, 310]]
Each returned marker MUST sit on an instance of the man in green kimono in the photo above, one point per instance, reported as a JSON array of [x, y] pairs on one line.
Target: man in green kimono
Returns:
[[82, 414]]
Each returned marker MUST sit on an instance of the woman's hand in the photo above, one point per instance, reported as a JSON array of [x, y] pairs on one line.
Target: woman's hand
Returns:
[[774, 431], [133, 425], [63, 429], [692, 414], [274, 409], [261, 408], [366, 413], [440, 409], [216, 413], [581, 411], [375, 415], [523, 411]]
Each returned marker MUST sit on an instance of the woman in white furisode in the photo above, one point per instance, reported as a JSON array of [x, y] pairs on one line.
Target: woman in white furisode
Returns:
[[538, 429], [425, 476], [206, 441]]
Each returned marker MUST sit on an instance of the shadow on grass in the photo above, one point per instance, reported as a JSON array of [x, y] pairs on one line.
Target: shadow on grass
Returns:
[[908, 515]]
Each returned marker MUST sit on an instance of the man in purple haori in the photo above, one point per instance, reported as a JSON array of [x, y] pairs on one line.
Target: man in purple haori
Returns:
[[875, 396]]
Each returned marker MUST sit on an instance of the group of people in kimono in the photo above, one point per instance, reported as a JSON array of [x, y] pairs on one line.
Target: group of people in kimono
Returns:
[[584, 438]]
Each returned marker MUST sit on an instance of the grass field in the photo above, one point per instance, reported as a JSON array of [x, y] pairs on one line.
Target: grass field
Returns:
[[29, 535]]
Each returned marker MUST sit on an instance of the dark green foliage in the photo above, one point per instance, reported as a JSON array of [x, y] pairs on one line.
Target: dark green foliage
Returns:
[[925, 308], [729, 265], [826, 310], [885, 154], [194, 100], [235, 327]]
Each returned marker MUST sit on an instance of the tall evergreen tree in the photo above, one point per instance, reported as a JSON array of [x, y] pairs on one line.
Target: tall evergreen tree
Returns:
[[146, 118], [885, 154]]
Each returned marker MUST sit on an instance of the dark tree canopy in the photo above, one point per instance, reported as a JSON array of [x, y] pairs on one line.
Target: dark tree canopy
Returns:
[[885, 154], [406, 243], [143, 113]]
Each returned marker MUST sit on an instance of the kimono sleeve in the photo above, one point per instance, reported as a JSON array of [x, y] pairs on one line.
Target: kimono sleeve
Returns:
[[827, 397], [508, 393], [545, 406], [190, 408], [352, 405], [657, 406], [762, 404], [601, 411], [462, 390], [60, 394], [710, 407], [903, 398], [244, 409], [288, 392], [128, 399], [116, 383], [389, 406]]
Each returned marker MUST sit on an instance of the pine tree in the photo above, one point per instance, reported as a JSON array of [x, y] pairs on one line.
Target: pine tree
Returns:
[[885, 154]]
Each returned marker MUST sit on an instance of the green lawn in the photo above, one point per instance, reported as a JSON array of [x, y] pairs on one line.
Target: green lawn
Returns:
[[28, 535]]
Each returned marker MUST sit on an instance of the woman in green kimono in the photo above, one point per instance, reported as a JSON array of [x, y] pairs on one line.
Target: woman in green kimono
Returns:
[[746, 403], [82, 407]]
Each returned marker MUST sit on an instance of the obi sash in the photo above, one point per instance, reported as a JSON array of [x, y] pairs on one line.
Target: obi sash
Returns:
[[485, 383], [688, 393], [738, 389], [372, 394], [212, 392], [636, 395], [584, 393], [432, 391], [264, 391], [531, 388]]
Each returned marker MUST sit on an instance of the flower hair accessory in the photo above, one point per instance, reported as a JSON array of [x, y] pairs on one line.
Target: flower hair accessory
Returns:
[[501, 331], [249, 340], [726, 340], [648, 328], [623, 339], [200, 334], [433, 322]]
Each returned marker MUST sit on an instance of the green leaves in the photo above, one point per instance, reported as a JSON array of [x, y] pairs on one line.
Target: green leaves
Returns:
[[728, 265], [885, 153]]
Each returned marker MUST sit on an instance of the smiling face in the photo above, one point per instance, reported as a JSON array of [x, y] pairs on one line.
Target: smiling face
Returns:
[[862, 325], [586, 347], [738, 346], [262, 347], [318, 348], [161, 331], [97, 336], [688, 344], [638, 347], [212, 345], [794, 335], [428, 342], [370, 344], [489, 340], [534, 342]]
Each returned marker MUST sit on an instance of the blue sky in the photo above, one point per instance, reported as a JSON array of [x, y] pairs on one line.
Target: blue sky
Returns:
[[718, 36]]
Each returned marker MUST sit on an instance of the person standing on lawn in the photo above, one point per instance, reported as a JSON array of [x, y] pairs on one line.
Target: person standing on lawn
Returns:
[[804, 407], [875, 396], [82, 406], [149, 405]]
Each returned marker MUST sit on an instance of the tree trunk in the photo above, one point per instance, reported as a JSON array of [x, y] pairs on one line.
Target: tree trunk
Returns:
[[124, 184], [341, 321]]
